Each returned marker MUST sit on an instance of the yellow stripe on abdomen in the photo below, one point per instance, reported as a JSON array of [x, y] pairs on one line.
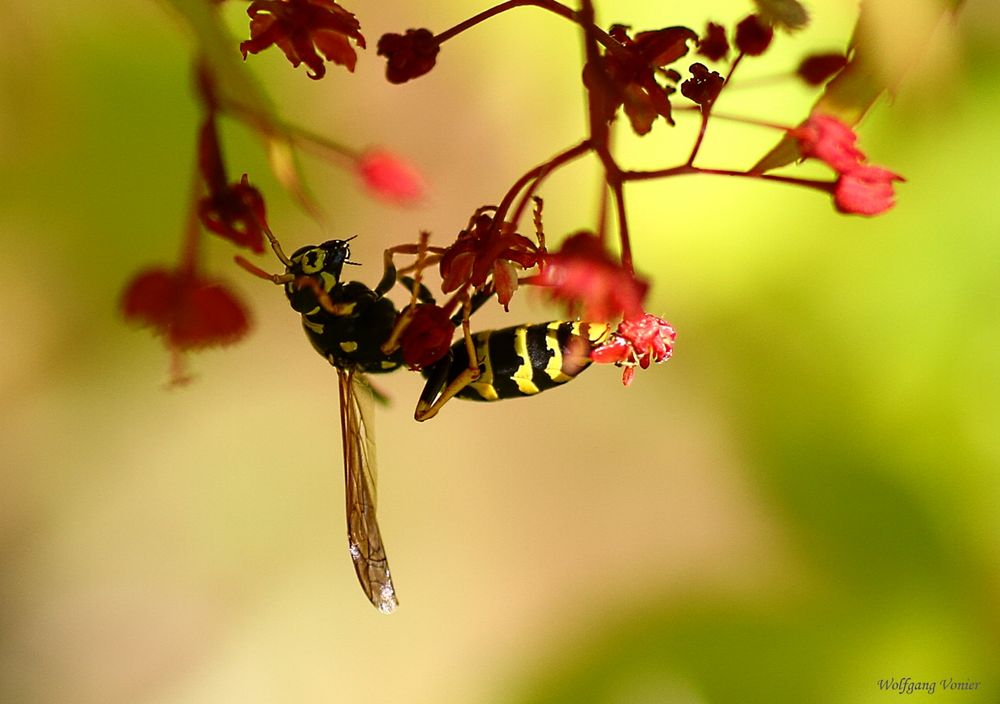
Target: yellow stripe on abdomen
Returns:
[[484, 384], [554, 368], [523, 376]]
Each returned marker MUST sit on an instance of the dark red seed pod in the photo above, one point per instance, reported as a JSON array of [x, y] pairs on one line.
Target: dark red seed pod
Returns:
[[753, 36]]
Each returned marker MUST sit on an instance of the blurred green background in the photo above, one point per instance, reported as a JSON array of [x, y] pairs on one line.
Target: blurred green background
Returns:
[[802, 502]]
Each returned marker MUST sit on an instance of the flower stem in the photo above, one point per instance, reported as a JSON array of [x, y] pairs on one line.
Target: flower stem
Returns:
[[192, 226], [300, 135], [543, 172], [735, 118], [686, 169], [553, 6], [600, 135], [617, 187], [536, 174], [602, 214], [706, 111]]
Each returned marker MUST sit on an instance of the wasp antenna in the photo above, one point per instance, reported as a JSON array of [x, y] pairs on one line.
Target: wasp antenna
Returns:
[[261, 274], [345, 241], [276, 246]]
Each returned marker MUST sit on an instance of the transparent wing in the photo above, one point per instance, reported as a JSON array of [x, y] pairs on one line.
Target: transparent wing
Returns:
[[363, 536]]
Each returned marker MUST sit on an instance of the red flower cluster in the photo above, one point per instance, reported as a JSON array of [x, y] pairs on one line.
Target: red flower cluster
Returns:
[[865, 190], [486, 249], [704, 86], [629, 76], [583, 274], [304, 29], [830, 140], [409, 55], [233, 211], [752, 37], [427, 337], [189, 311], [861, 188], [714, 45], [638, 341]]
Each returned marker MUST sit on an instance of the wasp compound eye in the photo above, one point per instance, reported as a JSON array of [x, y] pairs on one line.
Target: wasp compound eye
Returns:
[[337, 252]]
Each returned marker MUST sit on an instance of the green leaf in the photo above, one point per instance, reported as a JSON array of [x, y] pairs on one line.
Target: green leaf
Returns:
[[889, 38], [240, 93], [220, 52], [788, 14]]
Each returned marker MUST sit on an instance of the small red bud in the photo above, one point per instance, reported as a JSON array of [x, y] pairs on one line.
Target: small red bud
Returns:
[[753, 36]]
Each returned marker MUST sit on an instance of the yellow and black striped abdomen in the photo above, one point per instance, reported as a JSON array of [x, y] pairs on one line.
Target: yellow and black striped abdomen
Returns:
[[527, 359]]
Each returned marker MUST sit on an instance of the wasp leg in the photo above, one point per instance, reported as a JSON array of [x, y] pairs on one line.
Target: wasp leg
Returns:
[[478, 299], [389, 276], [323, 296], [470, 347], [425, 256], [431, 401], [423, 293], [427, 409], [432, 389], [416, 287], [279, 279]]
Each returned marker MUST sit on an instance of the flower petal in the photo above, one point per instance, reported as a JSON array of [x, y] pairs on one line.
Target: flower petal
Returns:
[[189, 311], [866, 190]]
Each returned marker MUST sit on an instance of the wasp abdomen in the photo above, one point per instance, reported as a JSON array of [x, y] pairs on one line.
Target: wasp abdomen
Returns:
[[527, 359]]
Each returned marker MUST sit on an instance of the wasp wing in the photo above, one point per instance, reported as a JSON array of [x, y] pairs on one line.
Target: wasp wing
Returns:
[[363, 536]]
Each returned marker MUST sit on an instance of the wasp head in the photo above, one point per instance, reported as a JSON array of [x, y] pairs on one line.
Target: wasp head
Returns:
[[316, 268], [314, 260]]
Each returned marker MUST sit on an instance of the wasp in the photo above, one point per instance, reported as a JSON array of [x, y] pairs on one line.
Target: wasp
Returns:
[[356, 329]]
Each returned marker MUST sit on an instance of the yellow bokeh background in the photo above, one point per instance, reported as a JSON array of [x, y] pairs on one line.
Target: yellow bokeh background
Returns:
[[799, 504]]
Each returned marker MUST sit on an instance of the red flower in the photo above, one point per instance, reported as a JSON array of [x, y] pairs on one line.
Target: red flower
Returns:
[[428, 336], [389, 177], [861, 188], [483, 250], [714, 45], [753, 36], [628, 77], [827, 138], [300, 28], [583, 274], [409, 55], [704, 86], [816, 69], [190, 312], [865, 190], [641, 340], [235, 212]]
